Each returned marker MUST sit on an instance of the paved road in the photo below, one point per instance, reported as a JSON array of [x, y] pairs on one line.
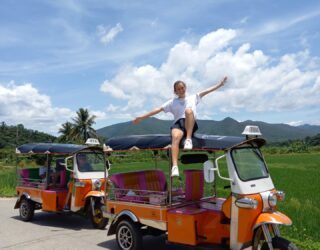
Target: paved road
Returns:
[[54, 231]]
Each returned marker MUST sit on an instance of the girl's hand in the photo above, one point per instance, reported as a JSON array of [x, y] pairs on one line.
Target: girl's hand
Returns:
[[223, 81], [137, 120]]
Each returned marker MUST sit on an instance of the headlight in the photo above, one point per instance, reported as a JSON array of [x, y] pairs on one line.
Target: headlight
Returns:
[[97, 184], [247, 203], [79, 184], [272, 199], [281, 195]]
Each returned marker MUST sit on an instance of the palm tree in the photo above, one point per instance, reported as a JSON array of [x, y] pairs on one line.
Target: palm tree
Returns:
[[83, 125], [67, 132]]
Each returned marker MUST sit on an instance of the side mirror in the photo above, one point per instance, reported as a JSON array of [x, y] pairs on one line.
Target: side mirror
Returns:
[[108, 165], [66, 163], [208, 171]]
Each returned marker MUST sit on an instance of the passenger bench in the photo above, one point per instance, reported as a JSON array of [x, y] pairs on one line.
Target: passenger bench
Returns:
[[142, 182]]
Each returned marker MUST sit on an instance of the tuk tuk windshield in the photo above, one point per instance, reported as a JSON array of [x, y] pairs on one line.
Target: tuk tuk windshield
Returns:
[[90, 161], [249, 163]]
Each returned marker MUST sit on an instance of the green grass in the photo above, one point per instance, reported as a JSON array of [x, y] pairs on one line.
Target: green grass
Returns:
[[7, 181]]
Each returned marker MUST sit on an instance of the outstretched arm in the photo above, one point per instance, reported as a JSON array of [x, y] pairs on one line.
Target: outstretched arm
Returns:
[[151, 113], [213, 88]]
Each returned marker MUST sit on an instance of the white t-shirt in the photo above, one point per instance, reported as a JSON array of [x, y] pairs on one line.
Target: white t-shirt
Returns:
[[177, 106]]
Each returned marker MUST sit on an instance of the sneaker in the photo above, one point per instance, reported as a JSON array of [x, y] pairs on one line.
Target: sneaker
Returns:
[[174, 171], [188, 144]]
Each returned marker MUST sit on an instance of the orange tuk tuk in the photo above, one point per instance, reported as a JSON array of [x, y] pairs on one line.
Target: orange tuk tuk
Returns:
[[71, 179], [149, 202]]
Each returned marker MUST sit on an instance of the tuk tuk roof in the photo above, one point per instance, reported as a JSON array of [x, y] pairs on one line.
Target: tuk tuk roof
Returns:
[[163, 141], [49, 148]]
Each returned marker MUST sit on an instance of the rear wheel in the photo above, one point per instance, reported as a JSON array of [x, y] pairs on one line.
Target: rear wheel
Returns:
[[26, 209], [97, 219], [128, 235]]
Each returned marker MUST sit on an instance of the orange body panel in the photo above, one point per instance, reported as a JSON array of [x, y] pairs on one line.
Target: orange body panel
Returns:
[[81, 192], [247, 218], [53, 200], [142, 211], [226, 207], [273, 217], [33, 192], [182, 228], [192, 226], [210, 226]]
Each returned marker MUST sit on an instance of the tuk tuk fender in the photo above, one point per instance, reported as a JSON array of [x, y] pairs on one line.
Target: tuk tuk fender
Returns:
[[24, 195], [272, 218], [94, 194], [114, 221], [90, 199]]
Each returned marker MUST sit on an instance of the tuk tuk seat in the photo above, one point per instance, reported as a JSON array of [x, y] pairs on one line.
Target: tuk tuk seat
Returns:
[[29, 176], [151, 180], [194, 184], [137, 186]]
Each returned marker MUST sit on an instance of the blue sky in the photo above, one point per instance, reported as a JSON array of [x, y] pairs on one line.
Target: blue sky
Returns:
[[119, 59]]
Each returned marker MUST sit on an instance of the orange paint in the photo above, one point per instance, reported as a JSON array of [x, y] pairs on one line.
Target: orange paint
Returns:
[[273, 217], [246, 219]]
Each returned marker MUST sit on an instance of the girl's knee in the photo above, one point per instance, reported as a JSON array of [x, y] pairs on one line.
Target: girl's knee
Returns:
[[176, 138], [188, 111]]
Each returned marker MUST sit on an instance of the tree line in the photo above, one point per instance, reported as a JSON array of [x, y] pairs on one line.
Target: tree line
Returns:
[[78, 130]]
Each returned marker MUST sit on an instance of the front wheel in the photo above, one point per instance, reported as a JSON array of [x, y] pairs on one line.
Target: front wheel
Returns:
[[97, 219], [282, 244], [26, 209], [128, 235], [278, 243]]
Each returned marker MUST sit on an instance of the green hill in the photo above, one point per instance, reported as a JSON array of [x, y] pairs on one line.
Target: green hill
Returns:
[[10, 136], [228, 126]]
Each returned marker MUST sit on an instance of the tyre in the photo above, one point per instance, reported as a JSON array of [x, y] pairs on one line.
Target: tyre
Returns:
[[26, 209], [97, 219], [278, 243], [128, 236], [281, 244]]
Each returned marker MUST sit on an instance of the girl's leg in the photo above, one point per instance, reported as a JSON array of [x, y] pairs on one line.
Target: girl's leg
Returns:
[[177, 135], [189, 122]]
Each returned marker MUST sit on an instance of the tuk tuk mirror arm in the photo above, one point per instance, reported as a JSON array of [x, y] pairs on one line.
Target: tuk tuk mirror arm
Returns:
[[66, 163], [216, 168]]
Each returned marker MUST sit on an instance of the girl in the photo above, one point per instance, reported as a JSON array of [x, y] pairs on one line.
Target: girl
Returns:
[[183, 108]]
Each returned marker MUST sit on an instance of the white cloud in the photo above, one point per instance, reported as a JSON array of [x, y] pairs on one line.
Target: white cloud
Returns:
[[108, 35], [24, 104], [113, 90], [257, 82], [284, 23], [100, 115], [295, 123]]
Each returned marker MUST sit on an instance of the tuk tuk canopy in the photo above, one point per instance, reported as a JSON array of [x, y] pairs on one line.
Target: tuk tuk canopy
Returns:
[[49, 148], [163, 141]]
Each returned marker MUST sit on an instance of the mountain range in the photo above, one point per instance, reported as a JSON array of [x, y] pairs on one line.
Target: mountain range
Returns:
[[228, 126]]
